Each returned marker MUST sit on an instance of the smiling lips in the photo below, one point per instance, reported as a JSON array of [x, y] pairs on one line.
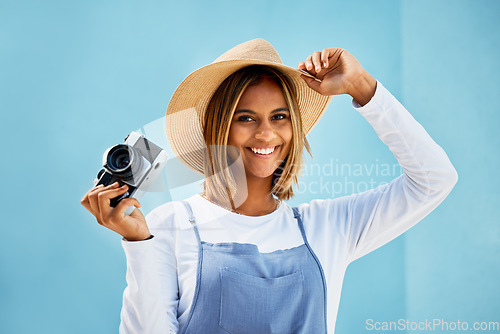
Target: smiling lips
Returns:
[[263, 151]]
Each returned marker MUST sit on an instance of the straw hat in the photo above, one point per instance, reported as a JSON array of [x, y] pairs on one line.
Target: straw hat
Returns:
[[186, 110]]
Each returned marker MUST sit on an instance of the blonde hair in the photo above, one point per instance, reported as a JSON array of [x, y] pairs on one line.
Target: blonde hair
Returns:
[[219, 180]]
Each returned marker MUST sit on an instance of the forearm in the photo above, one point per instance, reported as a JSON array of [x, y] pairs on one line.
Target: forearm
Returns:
[[422, 159], [150, 298]]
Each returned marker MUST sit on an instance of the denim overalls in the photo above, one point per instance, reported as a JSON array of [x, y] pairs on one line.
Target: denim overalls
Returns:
[[240, 290]]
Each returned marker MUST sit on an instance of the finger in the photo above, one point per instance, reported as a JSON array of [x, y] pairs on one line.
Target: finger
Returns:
[[85, 199], [325, 54], [316, 85], [104, 200], [94, 199], [88, 200], [316, 60], [310, 66], [301, 66]]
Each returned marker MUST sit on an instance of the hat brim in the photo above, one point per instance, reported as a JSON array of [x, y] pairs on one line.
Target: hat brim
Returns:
[[185, 112]]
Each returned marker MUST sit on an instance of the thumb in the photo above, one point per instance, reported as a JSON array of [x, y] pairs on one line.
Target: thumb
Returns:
[[125, 203], [315, 85]]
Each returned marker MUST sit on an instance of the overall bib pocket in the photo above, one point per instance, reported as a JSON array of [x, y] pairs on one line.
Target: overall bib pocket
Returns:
[[251, 304]]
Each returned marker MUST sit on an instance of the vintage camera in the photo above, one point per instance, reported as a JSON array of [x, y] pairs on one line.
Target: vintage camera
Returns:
[[137, 162]]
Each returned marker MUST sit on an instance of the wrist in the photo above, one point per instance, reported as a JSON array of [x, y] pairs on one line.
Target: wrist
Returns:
[[362, 88]]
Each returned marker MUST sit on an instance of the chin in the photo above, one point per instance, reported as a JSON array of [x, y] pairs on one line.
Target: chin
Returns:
[[261, 169], [260, 174]]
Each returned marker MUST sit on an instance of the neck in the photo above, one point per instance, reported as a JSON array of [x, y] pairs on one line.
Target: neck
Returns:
[[258, 201]]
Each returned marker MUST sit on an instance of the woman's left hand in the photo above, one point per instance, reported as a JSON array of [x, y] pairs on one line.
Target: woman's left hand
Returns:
[[338, 72]]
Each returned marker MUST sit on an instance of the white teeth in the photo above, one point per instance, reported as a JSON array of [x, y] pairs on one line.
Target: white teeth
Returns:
[[263, 150]]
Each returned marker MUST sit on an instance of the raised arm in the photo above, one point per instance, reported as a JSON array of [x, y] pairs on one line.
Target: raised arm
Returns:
[[379, 215]]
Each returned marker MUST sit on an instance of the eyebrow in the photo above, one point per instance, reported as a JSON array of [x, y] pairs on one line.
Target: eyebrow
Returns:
[[253, 112]]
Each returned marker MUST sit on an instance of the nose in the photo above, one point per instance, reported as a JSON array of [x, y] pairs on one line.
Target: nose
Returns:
[[265, 131]]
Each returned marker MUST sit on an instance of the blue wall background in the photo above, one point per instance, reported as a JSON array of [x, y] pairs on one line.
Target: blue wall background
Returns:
[[76, 77]]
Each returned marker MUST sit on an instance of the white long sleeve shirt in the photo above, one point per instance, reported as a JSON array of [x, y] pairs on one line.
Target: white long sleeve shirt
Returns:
[[161, 272]]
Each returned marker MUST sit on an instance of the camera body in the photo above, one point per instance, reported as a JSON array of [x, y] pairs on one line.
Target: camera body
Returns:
[[137, 162]]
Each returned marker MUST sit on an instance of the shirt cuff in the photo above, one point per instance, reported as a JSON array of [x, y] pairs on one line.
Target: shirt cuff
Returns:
[[150, 237], [137, 249]]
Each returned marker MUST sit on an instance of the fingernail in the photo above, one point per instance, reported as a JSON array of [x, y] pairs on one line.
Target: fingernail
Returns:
[[318, 68], [325, 64]]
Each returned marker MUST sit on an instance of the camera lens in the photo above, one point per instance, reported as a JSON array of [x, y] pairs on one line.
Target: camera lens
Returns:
[[123, 161], [119, 158]]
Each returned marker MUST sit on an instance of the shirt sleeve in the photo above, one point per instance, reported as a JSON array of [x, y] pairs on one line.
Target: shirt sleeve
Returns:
[[150, 299], [379, 215]]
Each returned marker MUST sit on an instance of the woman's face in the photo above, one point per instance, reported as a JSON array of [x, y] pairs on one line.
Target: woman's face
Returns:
[[261, 129]]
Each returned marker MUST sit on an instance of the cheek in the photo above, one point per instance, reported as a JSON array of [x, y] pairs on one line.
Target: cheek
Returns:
[[232, 135], [287, 134], [237, 135]]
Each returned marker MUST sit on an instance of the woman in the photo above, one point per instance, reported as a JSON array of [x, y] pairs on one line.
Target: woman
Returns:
[[236, 258]]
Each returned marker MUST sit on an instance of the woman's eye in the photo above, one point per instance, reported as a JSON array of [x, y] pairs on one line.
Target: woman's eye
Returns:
[[280, 116], [244, 118]]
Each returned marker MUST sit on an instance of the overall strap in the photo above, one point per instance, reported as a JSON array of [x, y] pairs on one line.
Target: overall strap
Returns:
[[192, 220], [198, 270], [297, 216]]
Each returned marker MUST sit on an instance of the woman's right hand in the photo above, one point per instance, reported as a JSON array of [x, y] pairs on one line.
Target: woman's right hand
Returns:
[[339, 72], [97, 200]]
